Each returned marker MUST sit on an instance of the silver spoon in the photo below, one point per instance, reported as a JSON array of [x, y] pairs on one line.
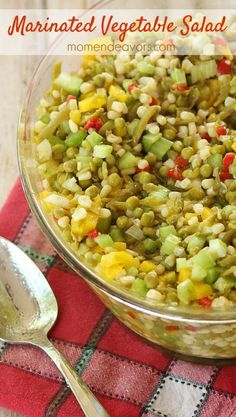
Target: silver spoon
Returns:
[[28, 310]]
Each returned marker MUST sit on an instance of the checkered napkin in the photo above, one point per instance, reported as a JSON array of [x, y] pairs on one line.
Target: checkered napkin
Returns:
[[130, 378]]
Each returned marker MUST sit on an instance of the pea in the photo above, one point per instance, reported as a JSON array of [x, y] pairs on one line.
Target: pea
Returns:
[[92, 191], [117, 235], [147, 219], [85, 184], [132, 203], [216, 149], [169, 134], [150, 245], [132, 271], [151, 281], [177, 146], [71, 152], [186, 153], [70, 166], [187, 173], [145, 177], [148, 231], [151, 158], [138, 212], [90, 242], [206, 170], [111, 160], [114, 180], [122, 222], [163, 171]]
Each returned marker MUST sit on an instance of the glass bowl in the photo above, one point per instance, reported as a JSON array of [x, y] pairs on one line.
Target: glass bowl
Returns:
[[204, 336]]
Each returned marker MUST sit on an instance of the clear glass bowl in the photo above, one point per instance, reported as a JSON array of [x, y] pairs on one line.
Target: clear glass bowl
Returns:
[[195, 335]]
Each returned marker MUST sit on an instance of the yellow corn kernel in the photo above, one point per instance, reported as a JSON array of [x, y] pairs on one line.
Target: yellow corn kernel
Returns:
[[234, 146], [147, 266], [90, 103], [111, 272], [201, 290], [117, 93], [87, 58], [162, 278], [112, 264], [188, 216], [75, 116], [82, 227], [97, 249], [120, 245], [206, 212], [184, 274]]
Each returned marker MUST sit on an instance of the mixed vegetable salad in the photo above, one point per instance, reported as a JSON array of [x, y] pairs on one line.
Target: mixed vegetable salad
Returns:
[[137, 160]]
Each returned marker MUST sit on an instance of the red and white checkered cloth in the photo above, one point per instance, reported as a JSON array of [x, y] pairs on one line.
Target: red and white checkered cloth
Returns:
[[130, 378]]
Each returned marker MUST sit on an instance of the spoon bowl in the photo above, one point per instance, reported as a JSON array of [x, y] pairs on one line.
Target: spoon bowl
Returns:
[[28, 310], [26, 299]]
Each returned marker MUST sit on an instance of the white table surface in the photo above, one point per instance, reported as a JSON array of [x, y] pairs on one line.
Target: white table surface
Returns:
[[16, 71]]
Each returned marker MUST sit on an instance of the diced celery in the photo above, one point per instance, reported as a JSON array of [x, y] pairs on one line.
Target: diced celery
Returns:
[[204, 259], [215, 160], [139, 287], [195, 243], [69, 83], [94, 139], [135, 232], [161, 147], [148, 140], [83, 248], [75, 139], [102, 151], [182, 263], [169, 245], [128, 160], [55, 140], [103, 224], [203, 70], [166, 231], [223, 285], [160, 193], [185, 291], [212, 275], [178, 75], [132, 126], [198, 272], [218, 248], [84, 160], [104, 241], [145, 68]]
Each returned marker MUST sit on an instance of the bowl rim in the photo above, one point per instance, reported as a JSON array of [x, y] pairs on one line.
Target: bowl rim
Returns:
[[178, 313]]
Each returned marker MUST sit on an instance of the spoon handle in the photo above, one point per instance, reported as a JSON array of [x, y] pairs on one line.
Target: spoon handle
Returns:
[[89, 404]]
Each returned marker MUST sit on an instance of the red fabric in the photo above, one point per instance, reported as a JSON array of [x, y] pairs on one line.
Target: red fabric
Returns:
[[130, 378]]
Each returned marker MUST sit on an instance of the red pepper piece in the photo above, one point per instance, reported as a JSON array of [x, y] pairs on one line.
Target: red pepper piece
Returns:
[[93, 123], [181, 163], [224, 67], [205, 302], [93, 233], [172, 328], [206, 136], [154, 101], [228, 160], [132, 87], [221, 130], [175, 174], [225, 175], [70, 98], [182, 87]]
